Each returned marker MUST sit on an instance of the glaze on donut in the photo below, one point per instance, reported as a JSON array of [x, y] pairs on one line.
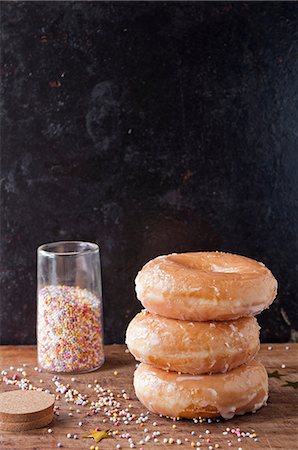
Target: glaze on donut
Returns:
[[205, 286], [244, 389], [192, 347]]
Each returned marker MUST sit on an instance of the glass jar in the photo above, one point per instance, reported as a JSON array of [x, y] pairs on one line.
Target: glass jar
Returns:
[[69, 307]]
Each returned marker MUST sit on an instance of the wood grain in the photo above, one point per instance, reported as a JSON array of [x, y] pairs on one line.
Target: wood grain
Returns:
[[275, 425]]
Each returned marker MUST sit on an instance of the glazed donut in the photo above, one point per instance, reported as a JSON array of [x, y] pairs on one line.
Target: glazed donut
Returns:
[[192, 347], [205, 286], [239, 391]]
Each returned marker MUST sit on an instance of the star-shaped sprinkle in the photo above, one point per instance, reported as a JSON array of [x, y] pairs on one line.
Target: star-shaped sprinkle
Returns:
[[98, 435], [293, 384], [275, 374]]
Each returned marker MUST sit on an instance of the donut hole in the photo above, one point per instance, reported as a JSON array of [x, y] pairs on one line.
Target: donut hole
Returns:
[[206, 263], [199, 411], [221, 269]]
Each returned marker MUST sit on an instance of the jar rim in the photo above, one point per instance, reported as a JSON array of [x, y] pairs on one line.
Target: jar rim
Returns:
[[67, 248]]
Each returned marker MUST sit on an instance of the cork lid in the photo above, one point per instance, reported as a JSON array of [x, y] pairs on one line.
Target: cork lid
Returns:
[[25, 406]]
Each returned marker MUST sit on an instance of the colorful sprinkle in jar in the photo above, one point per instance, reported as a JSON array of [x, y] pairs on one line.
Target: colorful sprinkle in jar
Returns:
[[69, 312]]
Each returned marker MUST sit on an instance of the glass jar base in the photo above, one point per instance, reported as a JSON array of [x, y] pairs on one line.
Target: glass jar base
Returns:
[[73, 372]]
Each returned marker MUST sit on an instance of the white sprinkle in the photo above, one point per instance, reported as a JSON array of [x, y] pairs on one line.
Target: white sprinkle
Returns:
[[179, 442], [75, 436], [269, 348], [165, 441], [287, 347], [80, 424], [68, 435], [283, 366], [59, 445], [207, 431], [73, 379], [50, 430]]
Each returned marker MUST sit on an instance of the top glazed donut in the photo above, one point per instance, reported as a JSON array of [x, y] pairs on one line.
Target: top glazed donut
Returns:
[[204, 286]]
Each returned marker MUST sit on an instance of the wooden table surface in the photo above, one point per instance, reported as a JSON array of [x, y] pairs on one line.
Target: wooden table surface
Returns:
[[275, 426]]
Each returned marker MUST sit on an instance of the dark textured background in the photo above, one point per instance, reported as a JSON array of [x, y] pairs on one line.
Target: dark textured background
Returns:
[[148, 128]]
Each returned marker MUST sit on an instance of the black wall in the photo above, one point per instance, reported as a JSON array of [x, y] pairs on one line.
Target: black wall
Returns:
[[149, 128]]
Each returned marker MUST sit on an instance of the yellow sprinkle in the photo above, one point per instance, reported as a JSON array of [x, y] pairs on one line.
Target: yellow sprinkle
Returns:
[[171, 440], [174, 426], [216, 445], [92, 447], [115, 372], [193, 444], [96, 448]]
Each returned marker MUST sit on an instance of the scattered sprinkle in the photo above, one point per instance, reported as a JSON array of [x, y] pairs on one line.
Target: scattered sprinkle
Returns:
[[98, 435]]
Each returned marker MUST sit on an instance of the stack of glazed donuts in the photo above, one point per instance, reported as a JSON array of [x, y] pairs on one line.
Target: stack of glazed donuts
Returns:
[[197, 337]]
